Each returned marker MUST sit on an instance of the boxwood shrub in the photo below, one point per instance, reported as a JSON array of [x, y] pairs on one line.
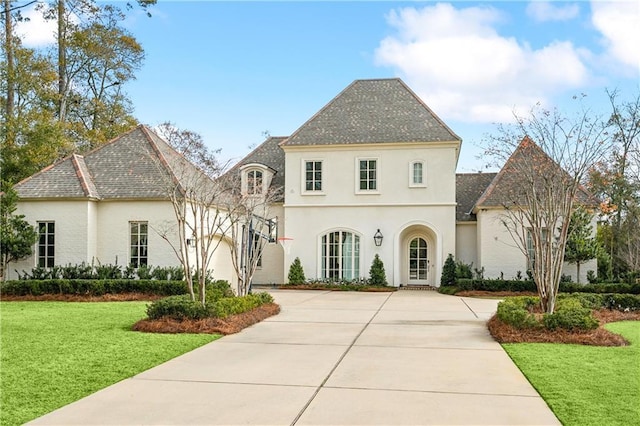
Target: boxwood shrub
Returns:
[[517, 311], [528, 285], [570, 315], [91, 287]]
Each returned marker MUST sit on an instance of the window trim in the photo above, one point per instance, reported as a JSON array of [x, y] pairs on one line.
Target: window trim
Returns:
[[531, 253], [256, 183], [303, 180], [138, 257], [49, 245], [355, 255], [412, 182], [358, 190]]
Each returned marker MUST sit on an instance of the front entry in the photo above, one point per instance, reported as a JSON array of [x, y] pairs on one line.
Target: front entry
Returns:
[[418, 261]]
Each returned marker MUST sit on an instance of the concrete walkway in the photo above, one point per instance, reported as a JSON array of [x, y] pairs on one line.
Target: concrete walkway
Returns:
[[334, 358]]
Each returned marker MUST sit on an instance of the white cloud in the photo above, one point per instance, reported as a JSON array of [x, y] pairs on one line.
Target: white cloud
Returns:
[[36, 32], [619, 23], [458, 63], [543, 11]]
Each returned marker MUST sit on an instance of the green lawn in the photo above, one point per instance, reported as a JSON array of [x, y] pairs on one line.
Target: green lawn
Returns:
[[586, 385], [54, 353]]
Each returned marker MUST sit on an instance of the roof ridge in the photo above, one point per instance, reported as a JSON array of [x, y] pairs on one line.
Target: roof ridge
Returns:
[[75, 159]]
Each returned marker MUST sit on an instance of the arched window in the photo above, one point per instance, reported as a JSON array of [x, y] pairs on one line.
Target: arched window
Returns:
[[340, 255], [254, 182]]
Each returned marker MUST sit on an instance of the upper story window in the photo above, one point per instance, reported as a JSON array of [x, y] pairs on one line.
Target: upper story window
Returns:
[[416, 174], [139, 233], [313, 176], [46, 244], [367, 175], [254, 182]]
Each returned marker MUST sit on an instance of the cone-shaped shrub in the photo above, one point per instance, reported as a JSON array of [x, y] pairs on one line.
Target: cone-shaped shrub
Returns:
[[296, 272], [377, 275]]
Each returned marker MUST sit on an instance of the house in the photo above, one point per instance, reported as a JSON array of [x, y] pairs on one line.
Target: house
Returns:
[[372, 173]]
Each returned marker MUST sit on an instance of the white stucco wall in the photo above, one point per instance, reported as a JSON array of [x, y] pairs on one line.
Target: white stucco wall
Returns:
[[498, 253], [466, 243], [397, 208], [273, 269]]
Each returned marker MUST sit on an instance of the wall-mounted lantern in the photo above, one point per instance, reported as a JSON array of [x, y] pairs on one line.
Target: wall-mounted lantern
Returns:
[[191, 242], [377, 238]]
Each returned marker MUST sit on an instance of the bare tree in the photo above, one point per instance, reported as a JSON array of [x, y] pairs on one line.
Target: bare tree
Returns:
[[547, 157], [252, 228], [198, 198]]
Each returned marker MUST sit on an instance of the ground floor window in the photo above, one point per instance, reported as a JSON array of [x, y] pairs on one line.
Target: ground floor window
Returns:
[[418, 260], [340, 255], [139, 244], [46, 244]]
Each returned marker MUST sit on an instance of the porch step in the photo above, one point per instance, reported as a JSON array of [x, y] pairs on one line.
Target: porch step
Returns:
[[418, 287]]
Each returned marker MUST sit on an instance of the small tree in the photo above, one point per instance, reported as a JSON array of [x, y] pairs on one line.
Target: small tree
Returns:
[[377, 275], [448, 271], [582, 246], [17, 237], [296, 272]]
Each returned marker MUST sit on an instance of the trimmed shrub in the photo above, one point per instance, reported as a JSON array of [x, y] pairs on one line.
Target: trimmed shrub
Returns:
[[296, 272], [377, 275], [91, 287], [570, 315], [448, 276], [517, 312], [177, 307], [621, 302]]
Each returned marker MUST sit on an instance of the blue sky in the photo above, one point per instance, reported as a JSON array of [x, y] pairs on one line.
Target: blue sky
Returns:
[[233, 70]]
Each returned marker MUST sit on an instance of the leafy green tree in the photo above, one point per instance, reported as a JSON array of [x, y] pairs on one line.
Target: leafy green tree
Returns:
[[17, 237], [448, 276], [377, 275], [296, 272], [582, 245]]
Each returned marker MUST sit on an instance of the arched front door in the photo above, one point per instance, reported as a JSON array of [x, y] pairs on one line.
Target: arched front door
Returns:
[[418, 261]]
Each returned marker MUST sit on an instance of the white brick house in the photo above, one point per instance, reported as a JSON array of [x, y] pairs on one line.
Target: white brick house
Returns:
[[375, 161]]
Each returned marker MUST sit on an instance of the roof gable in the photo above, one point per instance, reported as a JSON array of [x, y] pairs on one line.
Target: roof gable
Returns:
[[506, 187], [469, 187], [373, 111]]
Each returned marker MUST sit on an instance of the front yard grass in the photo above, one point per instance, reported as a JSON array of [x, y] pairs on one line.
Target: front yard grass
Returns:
[[54, 353], [586, 385]]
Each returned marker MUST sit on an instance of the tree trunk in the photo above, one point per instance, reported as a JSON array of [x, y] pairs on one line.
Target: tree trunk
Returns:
[[62, 61], [8, 40], [578, 272]]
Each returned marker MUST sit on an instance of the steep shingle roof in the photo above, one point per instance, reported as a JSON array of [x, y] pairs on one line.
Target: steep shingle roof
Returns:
[[373, 111], [528, 161], [469, 187], [136, 165]]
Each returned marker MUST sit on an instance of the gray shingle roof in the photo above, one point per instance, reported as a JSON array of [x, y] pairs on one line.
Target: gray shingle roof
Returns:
[[528, 161], [137, 165], [373, 111], [469, 187]]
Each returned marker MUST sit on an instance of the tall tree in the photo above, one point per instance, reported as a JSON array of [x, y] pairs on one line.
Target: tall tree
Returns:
[[548, 154], [582, 245], [616, 180]]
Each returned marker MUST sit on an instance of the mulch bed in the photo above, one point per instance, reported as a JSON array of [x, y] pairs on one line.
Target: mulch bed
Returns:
[[506, 333], [230, 325]]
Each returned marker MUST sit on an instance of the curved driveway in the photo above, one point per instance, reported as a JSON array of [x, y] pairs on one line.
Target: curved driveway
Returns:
[[334, 358]]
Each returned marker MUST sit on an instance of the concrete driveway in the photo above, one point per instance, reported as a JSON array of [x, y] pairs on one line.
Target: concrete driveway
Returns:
[[334, 358]]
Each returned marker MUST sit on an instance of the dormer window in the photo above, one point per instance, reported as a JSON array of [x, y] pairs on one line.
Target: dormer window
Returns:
[[254, 182], [255, 178]]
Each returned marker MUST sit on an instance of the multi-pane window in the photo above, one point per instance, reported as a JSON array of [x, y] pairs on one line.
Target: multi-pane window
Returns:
[[313, 175], [340, 255], [368, 175], [139, 244], [417, 173], [254, 182], [257, 249], [46, 244]]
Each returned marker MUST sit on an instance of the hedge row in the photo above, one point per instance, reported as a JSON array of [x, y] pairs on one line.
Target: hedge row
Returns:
[[182, 307], [526, 285], [91, 287]]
